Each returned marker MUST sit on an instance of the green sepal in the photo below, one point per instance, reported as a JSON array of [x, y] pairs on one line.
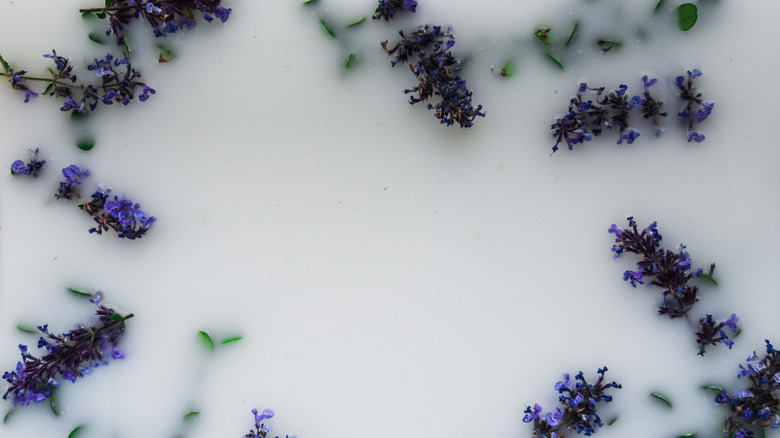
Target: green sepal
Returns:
[[7, 416], [80, 292], [713, 388], [555, 60], [327, 28], [165, 55], [6, 67], [85, 145], [543, 35], [571, 34], [350, 61], [206, 339], [94, 38], [509, 69], [116, 317], [356, 21], [191, 414], [232, 339], [26, 329], [75, 432], [687, 14], [661, 399], [53, 403]]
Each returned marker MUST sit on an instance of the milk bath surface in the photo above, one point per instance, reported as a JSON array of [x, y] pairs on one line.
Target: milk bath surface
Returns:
[[385, 271]]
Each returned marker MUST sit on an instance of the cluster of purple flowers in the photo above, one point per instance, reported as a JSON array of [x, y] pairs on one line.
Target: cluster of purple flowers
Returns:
[[671, 271], [758, 405], [165, 16], [696, 110], [68, 356], [437, 73], [119, 214], [32, 167], [587, 118], [580, 403], [261, 430], [68, 189], [388, 8], [119, 82]]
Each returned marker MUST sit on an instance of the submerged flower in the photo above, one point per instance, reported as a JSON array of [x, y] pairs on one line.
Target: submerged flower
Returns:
[[696, 110], [388, 8], [73, 176], [261, 430], [32, 167], [119, 214]]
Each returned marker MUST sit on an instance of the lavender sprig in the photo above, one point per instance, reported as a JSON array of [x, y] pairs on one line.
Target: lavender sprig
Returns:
[[68, 356], [73, 176], [32, 168], [651, 108], [118, 83], [388, 8], [261, 430], [695, 110], [580, 403], [758, 405], [165, 16], [120, 215]]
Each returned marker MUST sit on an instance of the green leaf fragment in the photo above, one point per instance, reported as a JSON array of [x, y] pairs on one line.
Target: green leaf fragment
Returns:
[[80, 292], [555, 60], [85, 145], [165, 55], [687, 435], [327, 29], [26, 329], [658, 5], [6, 67], [709, 277], [109, 3], [53, 403], [75, 432], [206, 339], [350, 60], [571, 34], [94, 38], [612, 421], [356, 21], [713, 388], [607, 45], [232, 339], [661, 398], [191, 414], [687, 14], [87, 15], [309, 2], [7, 416], [101, 15], [509, 69], [543, 35], [117, 317]]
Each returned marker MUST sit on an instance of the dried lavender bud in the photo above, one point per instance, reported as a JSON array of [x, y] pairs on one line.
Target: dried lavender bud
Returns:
[[416, 42], [121, 215], [32, 168], [711, 332], [261, 430], [580, 403], [758, 405], [651, 108], [68, 356], [165, 16], [118, 83], [695, 110], [388, 8], [68, 189]]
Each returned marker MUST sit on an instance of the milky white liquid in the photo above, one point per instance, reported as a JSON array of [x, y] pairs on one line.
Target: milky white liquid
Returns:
[[390, 276]]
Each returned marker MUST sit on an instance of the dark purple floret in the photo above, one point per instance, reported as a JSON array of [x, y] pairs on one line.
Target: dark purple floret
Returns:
[[32, 167], [695, 109], [261, 430], [712, 332], [73, 176], [651, 108], [164, 16], [120, 215], [68, 356], [580, 402], [388, 8]]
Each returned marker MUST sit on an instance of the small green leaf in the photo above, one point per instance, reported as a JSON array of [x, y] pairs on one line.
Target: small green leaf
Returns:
[[7, 416], [117, 317], [87, 15], [232, 339], [48, 89], [687, 435], [356, 21], [85, 145], [6, 67], [508, 70], [661, 398], [327, 29], [555, 60], [310, 2], [713, 388], [126, 47], [687, 14], [350, 61], [191, 414], [94, 38], [543, 35], [165, 55], [206, 339], [53, 403], [571, 34], [612, 421], [75, 432], [80, 292], [658, 5], [26, 329], [709, 277]]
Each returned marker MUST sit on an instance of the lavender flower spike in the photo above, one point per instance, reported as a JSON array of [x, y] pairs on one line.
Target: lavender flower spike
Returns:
[[388, 8], [32, 168], [120, 215], [68, 356], [261, 430]]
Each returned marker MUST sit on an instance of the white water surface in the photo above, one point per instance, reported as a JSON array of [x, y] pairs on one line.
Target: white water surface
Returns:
[[390, 276]]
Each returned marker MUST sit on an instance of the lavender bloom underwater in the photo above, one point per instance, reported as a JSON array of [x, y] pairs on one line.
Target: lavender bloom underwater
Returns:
[[695, 110], [388, 8], [68, 356], [670, 271], [580, 403], [32, 167], [261, 430]]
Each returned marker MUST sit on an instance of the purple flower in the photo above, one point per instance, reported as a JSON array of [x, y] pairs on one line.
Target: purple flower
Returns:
[[261, 430], [531, 415], [388, 8], [554, 418], [119, 214], [695, 109], [73, 177], [633, 277]]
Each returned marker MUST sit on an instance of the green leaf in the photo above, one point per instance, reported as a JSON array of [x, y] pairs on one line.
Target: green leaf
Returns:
[[713, 388], [26, 329], [232, 339], [612, 421], [661, 398], [687, 435], [6, 67], [101, 15], [165, 55], [48, 89], [350, 61], [126, 47], [87, 15], [191, 415], [327, 29], [85, 145], [310, 2], [116, 317], [53, 403], [7, 416], [658, 5], [555, 60], [75, 432], [687, 14], [206, 339], [109, 3], [94, 38], [508, 70], [80, 292], [571, 34], [709, 277], [356, 21], [543, 35]]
